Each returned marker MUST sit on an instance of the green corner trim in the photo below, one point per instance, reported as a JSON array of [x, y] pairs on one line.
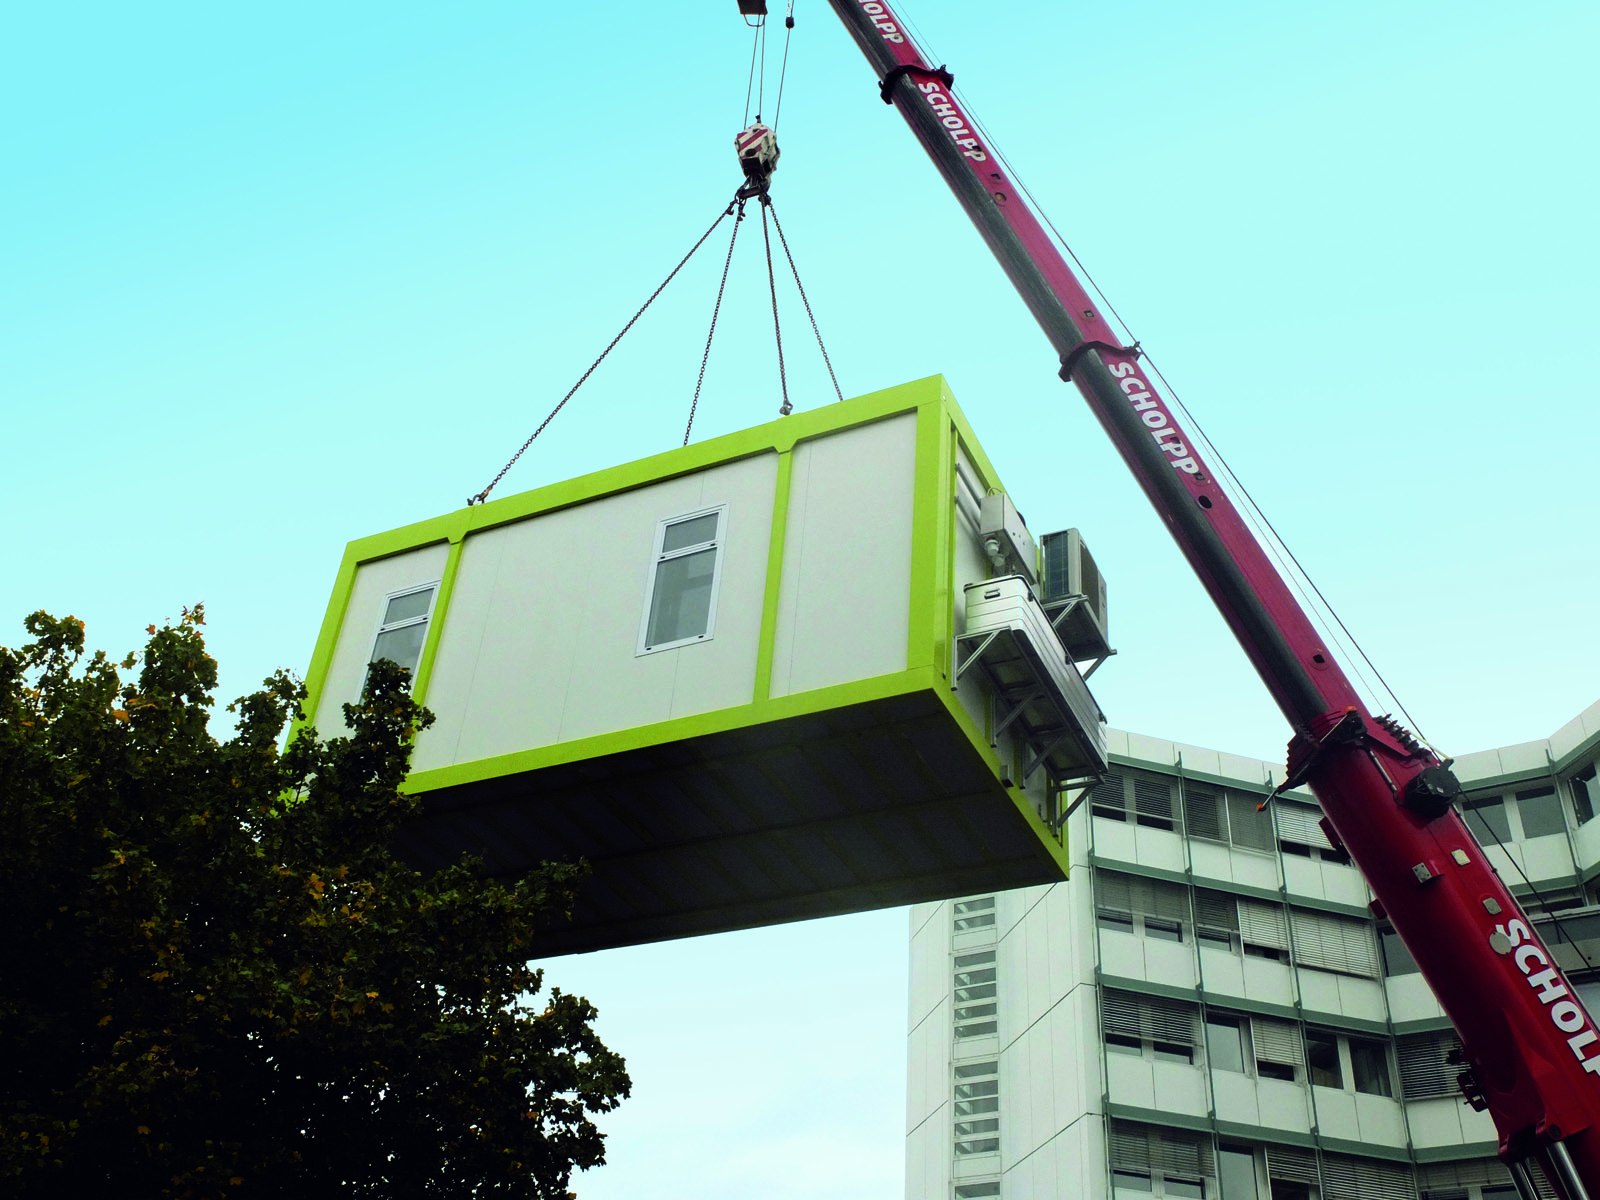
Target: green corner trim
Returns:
[[775, 708], [774, 581], [344, 585], [441, 607], [928, 526]]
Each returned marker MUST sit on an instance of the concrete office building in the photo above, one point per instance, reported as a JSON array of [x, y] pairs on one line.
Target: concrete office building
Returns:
[[1208, 1008]]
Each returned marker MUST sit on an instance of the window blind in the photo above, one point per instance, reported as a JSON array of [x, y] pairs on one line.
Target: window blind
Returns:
[[1348, 1178], [1152, 797], [1425, 1072], [1134, 895], [1263, 924], [1167, 1151], [1246, 826], [1216, 910], [1107, 793], [1277, 1041], [1154, 1017], [1334, 943], [1292, 1164], [1202, 812], [1299, 823]]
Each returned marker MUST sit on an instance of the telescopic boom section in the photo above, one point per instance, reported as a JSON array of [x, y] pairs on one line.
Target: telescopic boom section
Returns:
[[1533, 1052]]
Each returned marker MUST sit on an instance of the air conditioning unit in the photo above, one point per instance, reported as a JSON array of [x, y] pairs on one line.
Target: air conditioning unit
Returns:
[[1073, 581]]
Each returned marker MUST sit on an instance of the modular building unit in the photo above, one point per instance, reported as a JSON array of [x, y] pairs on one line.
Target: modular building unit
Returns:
[[729, 676]]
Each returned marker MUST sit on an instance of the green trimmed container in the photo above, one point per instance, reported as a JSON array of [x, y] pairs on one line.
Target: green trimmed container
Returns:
[[722, 675]]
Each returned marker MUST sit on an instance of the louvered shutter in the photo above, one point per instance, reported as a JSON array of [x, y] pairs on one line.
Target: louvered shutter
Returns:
[[1216, 910], [1180, 1152], [1454, 1176], [1135, 895], [1299, 823], [1152, 799], [1425, 1072], [1246, 826], [1155, 1017], [1292, 1164], [1334, 943], [1263, 924], [1106, 797], [1277, 1041], [1347, 1178], [1202, 812], [1130, 1147]]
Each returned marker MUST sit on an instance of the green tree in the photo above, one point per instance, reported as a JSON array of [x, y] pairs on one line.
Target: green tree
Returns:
[[218, 980]]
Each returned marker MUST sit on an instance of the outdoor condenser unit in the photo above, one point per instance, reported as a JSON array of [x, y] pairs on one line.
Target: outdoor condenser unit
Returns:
[[1073, 581]]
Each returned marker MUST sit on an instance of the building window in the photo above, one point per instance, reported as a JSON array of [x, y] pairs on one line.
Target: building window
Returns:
[[1584, 793], [977, 1108], [1143, 797], [1134, 904], [1154, 1027], [1165, 1162], [1369, 1068], [1322, 1059], [1476, 1179], [1397, 959], [1279, 1053], [1300, 833], [404, 627], [1332, 943], [1236, 1172], [975, 1007], [1216, 919], [1528, 812], [1224, 1050], [681, 602], [974, 914], [978, 1191], [1427, 1071]]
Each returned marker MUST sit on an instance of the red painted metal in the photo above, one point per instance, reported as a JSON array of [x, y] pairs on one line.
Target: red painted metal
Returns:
[[1533, 1050]]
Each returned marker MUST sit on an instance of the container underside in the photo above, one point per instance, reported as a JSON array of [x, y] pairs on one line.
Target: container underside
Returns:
[[866, 806]]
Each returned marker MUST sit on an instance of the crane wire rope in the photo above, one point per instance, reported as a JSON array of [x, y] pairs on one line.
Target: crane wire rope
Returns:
[[788, 34], [801, 288], [750, 84], [777, 332], [715, 310], [1321, 610], [484, 494]]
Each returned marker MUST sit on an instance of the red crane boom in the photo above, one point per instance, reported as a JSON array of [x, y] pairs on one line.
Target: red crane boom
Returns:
[[1533, 1053]]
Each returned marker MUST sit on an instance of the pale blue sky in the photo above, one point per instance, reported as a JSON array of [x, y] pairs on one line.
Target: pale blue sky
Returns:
[[275, 278]]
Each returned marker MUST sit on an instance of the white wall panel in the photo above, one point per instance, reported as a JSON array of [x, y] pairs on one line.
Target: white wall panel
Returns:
[[844, 599]]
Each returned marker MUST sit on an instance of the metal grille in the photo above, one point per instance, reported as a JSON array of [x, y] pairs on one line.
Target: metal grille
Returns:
[[1134, 895], [1425, 1073], [1153, 1017], [1344, 944], [977, 1108]]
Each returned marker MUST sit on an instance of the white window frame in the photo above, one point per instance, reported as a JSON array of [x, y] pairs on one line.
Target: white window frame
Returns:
[[384, 627], [657, 557]]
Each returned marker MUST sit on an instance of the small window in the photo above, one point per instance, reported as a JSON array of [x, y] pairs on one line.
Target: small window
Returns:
[[1540, 812], [1369, 1068], [1274, 1070], [1189, 1189], [681, 602], [1397, 959], [1322, 1056], [1487, 819], [404, 628], [1236, 1167], [978, 1191], [1131, 1181], [1163, 929], [1173, 1052], [1224, 1044], [974, 914], [1117, 922], [1122, 1043], [1584, 794]]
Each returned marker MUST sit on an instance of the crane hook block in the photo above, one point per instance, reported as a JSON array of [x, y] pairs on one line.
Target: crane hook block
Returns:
[[752, 8], [757, 147]]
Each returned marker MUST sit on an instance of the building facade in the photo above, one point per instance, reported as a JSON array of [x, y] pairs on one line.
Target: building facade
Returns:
[[1208, 1010]]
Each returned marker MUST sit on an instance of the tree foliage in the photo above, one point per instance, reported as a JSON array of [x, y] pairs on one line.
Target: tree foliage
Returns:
[[218, 980]]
